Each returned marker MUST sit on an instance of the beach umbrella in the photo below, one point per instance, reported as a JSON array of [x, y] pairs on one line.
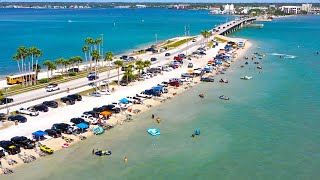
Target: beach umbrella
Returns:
[[82, 126], [190, 70], [38, 134]]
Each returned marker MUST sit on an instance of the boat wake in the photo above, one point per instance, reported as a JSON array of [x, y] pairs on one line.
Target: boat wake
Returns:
[[286, 56]]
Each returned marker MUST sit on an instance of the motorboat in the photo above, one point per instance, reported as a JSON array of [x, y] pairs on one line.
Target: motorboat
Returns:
[[246, 77], [201, 95], [256, 62], [259, 67], [153, 131], [102, 153], [223, 97], [246, 63], [223, 81]]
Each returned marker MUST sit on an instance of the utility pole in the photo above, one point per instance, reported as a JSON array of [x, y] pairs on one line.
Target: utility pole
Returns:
[[102, 47]]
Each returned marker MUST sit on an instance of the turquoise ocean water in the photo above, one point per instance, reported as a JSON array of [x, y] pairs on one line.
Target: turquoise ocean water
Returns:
[[267, 130], [61, 32]]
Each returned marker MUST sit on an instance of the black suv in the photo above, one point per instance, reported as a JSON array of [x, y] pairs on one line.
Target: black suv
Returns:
[[67, 100], [2, 116], [24, 142], [76, 97], [41, 107], [9, 147], [73, 70], [52, 104], [6, 100], [93, 113], [55, 133], [63, 127], [111, 108], [18, 118], [153, 59], [78, 121]]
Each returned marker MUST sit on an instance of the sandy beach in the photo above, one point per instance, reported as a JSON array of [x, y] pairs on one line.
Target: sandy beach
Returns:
[[45, 120]]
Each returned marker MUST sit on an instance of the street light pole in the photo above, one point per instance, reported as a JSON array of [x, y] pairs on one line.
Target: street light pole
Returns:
[[102, 47]]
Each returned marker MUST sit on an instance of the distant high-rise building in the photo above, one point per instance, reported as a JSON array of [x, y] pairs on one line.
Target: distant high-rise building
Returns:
[[228, 9], [306, 7]]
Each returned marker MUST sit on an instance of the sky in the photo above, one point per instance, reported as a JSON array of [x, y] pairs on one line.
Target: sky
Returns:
[[184, 1]]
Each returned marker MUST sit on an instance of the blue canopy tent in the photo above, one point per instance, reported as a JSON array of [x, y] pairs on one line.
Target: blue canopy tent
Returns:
[[124, 100], [207, 69], [158, 88], [38, 134], [218, 62], [82, 126]]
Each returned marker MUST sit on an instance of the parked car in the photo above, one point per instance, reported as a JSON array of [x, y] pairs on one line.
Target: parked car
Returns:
[[6, 100], [76, 97], [77, 120], [167, 54], [164, 84], [95, 94], [104, 92], [41, 107], [202, 53], [187, 75], [89, 118], [190, 65], [10, 147], [144, 95], [124, 83], [55, 133], [184, 79], [2, 153], [52, 87], [73, 70], [28, 111], [52, 104], [104, 83], [207, 79], [183, 56], [2, 116], [91, 74], [112, 108], [46, 149], [134, 100], [178, 58], [24, 142], [67, 100], [19, 118], [98, 109], [153, 59], [62, 127], [93, 113]]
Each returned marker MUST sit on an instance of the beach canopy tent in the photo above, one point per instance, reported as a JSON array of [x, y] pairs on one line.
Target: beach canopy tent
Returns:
[[190, 70], [105, 113], [157, 88], [82, 125], [124, 100], [38, 134], [207, 68], [218, 62]]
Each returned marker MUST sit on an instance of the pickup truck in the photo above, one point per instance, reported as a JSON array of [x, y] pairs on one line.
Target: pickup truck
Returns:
[[144, 95], [89, 118], [134, 100], [28, 111]]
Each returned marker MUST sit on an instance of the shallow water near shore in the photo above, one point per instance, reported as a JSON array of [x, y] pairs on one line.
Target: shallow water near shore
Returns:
[[267, 130]]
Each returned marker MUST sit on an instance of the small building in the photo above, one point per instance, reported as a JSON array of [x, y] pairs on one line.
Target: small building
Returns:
[[291, 9]]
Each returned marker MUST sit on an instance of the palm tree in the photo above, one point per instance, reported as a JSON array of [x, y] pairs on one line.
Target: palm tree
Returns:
[[50, 66], [119, 64], [33, 52], [78, 60], [38, 55], [17, 58], [206, 34], [129, 71], [90, 42], [140, 65], [108, 57], [95, 57], [147, 63], [65, 63], [72, 61], [57, 62], [23, 53], [98, 42], [85, 49]]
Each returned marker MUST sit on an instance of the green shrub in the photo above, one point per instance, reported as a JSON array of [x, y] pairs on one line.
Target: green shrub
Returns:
[[43, 80], [72, 73]]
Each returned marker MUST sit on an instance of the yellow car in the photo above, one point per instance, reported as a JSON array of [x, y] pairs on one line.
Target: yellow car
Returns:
[[46, 149]]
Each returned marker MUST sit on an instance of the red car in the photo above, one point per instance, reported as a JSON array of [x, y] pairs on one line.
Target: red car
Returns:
[[178, 58], [174, 83]]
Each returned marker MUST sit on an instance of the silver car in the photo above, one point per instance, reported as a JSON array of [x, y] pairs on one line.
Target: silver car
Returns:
[[95, 94]]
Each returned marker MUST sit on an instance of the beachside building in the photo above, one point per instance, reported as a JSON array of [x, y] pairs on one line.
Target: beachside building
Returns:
[[182, 6], [215, 10], [228, 9], [291, 9], [315, 10], [306, 7], [141, 6]]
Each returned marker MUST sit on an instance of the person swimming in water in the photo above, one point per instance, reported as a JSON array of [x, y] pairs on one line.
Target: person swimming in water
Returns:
[[193, 135], [125, 160]]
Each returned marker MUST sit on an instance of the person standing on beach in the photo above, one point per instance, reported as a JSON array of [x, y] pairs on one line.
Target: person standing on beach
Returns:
[[152, 116], [125, 160], [92, 151]]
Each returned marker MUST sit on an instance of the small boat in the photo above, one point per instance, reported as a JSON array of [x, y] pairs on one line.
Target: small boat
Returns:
[[259, 67], [246, 63], [102, 153], [201, 95], [153, 131], [224, 97], [65, 145], [223, 81], [256, 62], [246, 77], [197, 132]]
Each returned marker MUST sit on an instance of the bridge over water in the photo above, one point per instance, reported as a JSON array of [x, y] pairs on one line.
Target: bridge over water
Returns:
[[232, 26]]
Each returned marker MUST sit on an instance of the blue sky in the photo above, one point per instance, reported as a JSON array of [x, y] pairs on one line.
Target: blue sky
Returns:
[[184, 1]]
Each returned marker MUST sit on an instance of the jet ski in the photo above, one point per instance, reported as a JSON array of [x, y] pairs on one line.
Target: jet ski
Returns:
[[102, 153]]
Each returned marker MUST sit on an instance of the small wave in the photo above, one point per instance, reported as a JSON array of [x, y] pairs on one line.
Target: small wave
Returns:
[[70, 21], [286, 56]]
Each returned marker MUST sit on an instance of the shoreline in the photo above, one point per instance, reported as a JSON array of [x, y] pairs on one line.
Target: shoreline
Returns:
[[118, 119]]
